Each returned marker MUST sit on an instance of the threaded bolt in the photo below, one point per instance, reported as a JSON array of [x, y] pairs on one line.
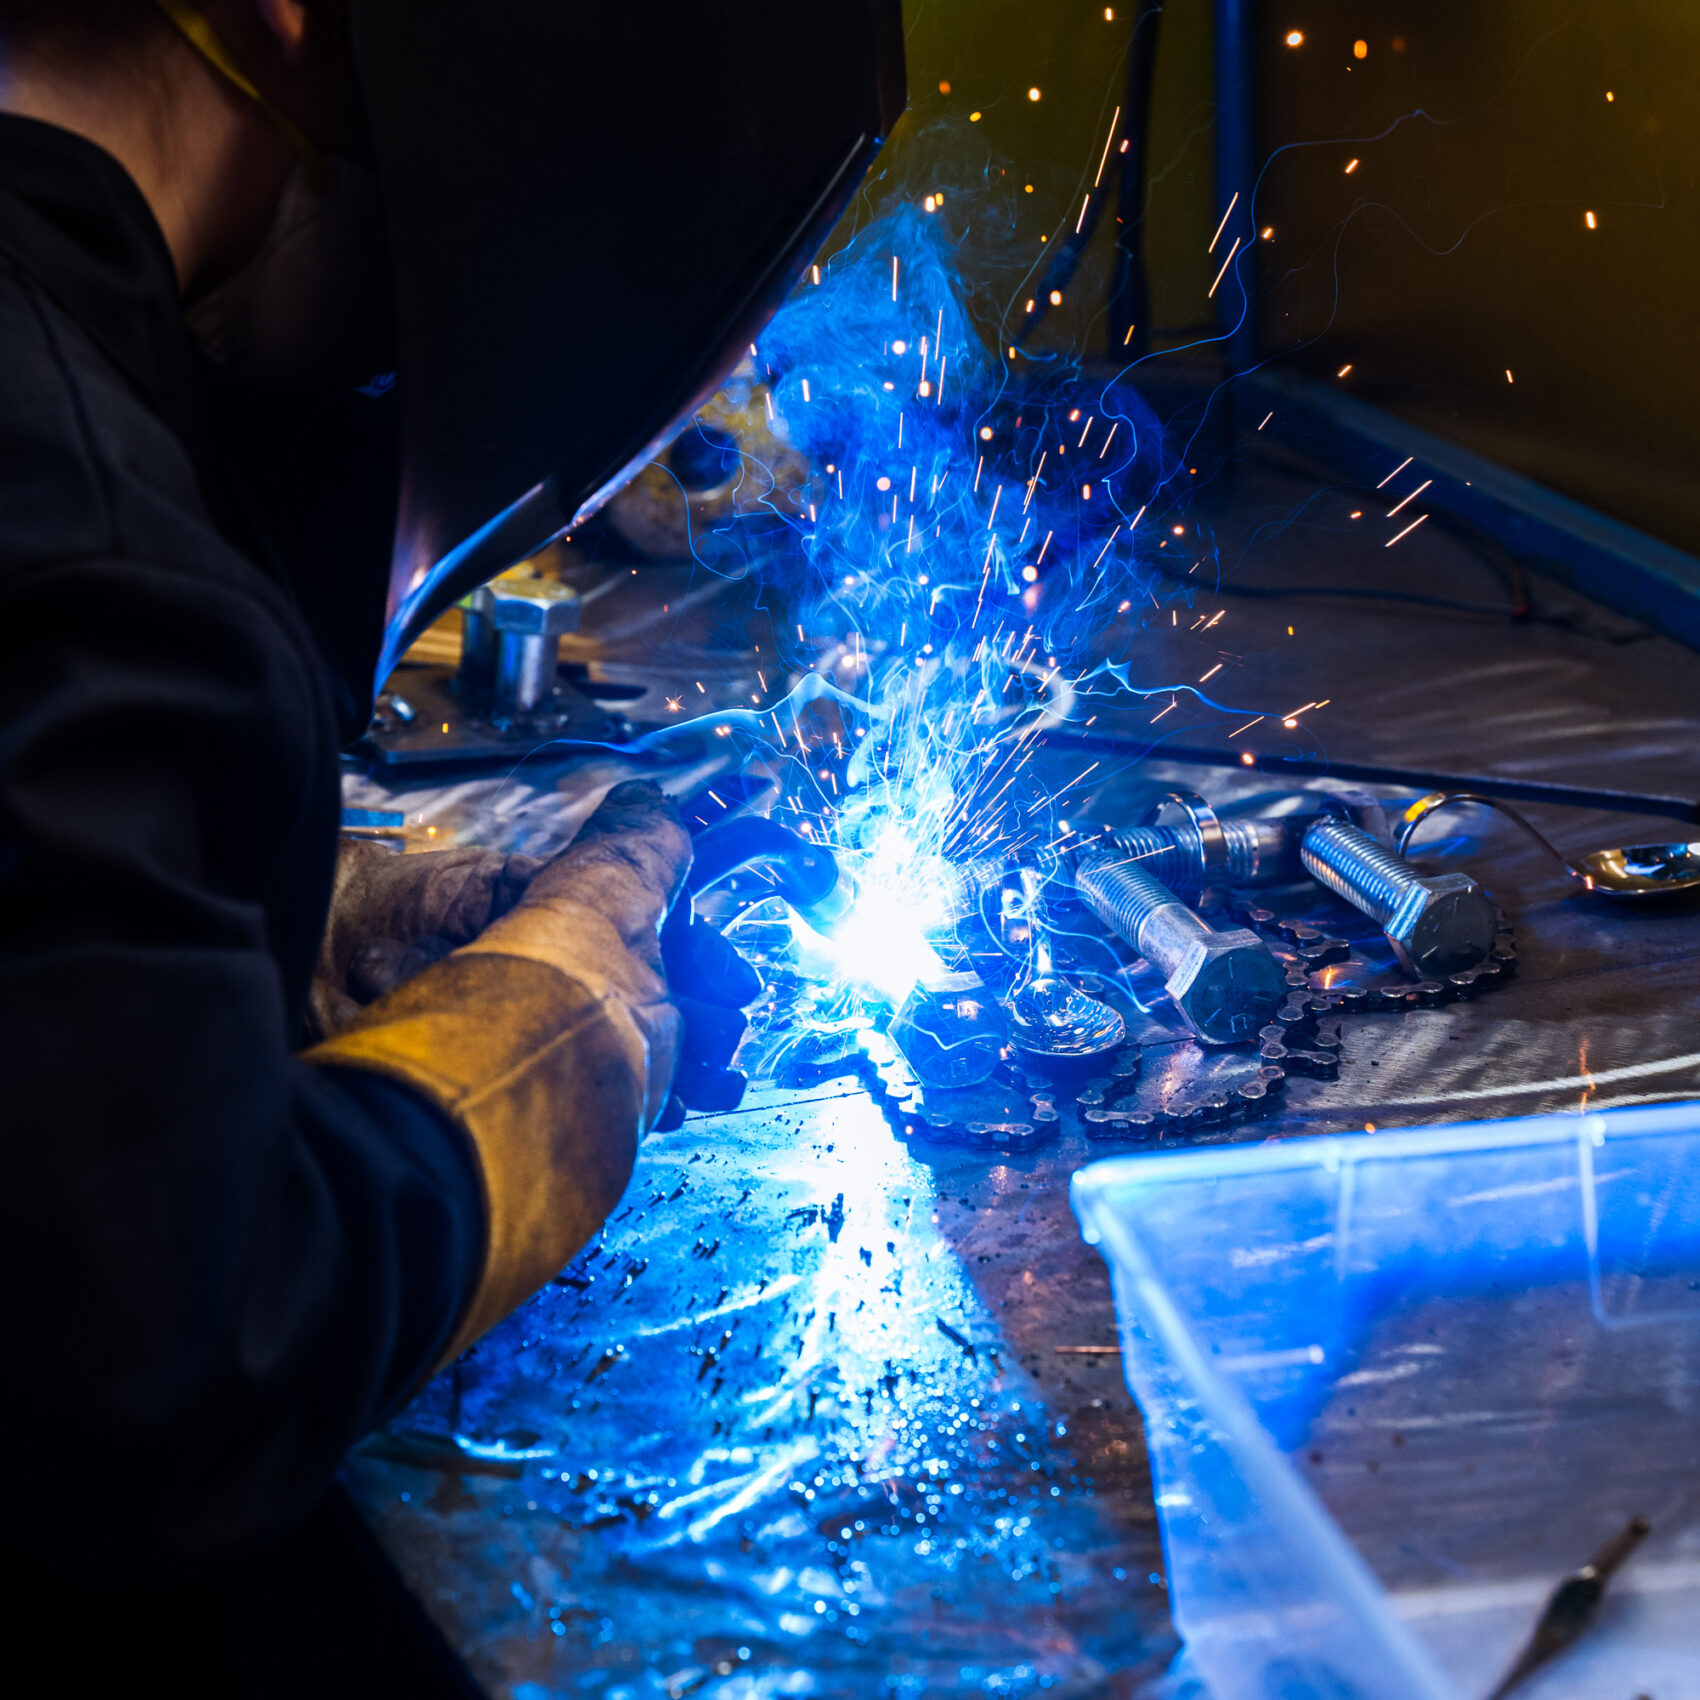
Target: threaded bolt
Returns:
[[1225, 984], [1352, 865], [477, 673], [1158, 851], [1259, 852], [529, 614], [1437, 925], [1125, 896]]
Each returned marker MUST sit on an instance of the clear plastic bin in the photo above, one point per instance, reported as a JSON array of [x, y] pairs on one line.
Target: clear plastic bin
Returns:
[[1395, 1386]]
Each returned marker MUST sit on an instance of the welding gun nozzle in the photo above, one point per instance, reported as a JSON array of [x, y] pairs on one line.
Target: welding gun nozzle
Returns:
[[806, 875]]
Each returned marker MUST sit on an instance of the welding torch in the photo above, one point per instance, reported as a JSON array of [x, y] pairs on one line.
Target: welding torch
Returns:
[[805, 874]]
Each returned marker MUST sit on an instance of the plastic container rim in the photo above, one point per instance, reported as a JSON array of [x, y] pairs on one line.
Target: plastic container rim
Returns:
[[1332, 1151]]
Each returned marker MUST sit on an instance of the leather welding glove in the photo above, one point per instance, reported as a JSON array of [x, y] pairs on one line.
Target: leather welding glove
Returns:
[[550, 1039], [392, 915], [711, 984]]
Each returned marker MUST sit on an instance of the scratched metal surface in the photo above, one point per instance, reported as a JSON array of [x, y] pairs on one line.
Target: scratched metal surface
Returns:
[[811, 1416]]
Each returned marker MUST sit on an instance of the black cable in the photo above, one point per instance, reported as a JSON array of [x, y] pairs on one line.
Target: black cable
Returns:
[[1497, 556], [1130, 289], [1130, 292], [1358, 592]]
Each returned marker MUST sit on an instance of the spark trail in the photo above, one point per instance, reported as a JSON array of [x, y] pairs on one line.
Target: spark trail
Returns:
[[951, 567]]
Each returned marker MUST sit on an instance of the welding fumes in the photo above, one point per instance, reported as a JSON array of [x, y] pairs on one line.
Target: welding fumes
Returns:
[[942, 570], [950, 565]]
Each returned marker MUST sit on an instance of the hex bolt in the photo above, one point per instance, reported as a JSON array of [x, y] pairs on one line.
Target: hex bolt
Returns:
[[1437, 924], [1225, 984], [1259, 852], [529, 615], [477, 673], [950, 1030]]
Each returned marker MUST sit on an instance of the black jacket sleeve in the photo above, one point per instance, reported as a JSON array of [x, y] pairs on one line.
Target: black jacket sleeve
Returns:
[[221, 1264]]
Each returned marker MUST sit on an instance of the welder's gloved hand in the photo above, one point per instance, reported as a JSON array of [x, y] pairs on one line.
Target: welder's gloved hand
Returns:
[[550, 1038], [393, 915], [711, 984]]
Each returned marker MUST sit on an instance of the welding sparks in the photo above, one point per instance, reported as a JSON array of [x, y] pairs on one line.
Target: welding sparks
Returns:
[[1224, 224], [1225, 264], [932, 763], [1114, 121], [1410, 498]]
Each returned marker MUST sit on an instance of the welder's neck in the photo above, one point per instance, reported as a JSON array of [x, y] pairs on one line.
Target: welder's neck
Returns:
[[205, 160]]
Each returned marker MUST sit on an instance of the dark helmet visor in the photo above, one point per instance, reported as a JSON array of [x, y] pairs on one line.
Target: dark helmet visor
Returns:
[[593, 209]]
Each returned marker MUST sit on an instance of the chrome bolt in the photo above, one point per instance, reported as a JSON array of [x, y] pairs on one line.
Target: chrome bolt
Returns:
[[1258, 852], [477, 672], [1226, 984], [529, 615], [1437, 924], [950, 1030]]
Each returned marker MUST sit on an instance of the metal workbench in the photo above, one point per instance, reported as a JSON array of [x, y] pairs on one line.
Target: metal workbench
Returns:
[[827, 1412]]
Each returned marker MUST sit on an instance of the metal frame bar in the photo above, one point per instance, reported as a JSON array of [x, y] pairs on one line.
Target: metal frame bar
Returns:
[[1603, 558], [1235, 174]]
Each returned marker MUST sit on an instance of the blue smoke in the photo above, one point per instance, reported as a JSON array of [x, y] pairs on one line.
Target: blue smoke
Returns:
[[960, 542]]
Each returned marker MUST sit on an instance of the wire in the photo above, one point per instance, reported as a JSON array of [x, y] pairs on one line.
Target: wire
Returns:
[[1519, 607], [1356, 592]]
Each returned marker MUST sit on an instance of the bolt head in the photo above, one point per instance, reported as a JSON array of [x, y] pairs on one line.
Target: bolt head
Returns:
[[1442, 926], [538, 607], [950, 1030], [1227, 986]]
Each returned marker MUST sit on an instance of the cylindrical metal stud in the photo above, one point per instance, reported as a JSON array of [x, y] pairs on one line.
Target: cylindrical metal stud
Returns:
[[1225, 984]]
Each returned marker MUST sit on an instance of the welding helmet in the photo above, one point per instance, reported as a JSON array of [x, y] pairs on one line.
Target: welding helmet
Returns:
[[592, 209]]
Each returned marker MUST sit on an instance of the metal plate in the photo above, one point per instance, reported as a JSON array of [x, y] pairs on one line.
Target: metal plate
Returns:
[[1006, 1584]]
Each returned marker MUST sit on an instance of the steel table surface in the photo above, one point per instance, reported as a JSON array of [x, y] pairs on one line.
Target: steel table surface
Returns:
[[821, 1412]]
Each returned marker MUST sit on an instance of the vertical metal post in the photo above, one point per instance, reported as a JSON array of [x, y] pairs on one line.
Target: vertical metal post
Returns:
[[1236, 170], [1129, 328]]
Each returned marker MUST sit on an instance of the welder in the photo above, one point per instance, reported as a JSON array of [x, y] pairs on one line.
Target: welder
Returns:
[[313, 313]]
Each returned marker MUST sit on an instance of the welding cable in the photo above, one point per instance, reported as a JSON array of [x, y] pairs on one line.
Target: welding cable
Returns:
[[1130, 294], [1495, 554]]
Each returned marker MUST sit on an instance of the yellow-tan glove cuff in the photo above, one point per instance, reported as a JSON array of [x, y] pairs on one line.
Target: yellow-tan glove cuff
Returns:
[[549, 1065]]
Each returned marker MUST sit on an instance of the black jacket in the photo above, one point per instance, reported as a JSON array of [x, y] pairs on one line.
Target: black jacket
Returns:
[[222, 1265]]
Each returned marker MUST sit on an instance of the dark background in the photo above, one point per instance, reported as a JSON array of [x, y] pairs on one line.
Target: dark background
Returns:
[[1458, 248]]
